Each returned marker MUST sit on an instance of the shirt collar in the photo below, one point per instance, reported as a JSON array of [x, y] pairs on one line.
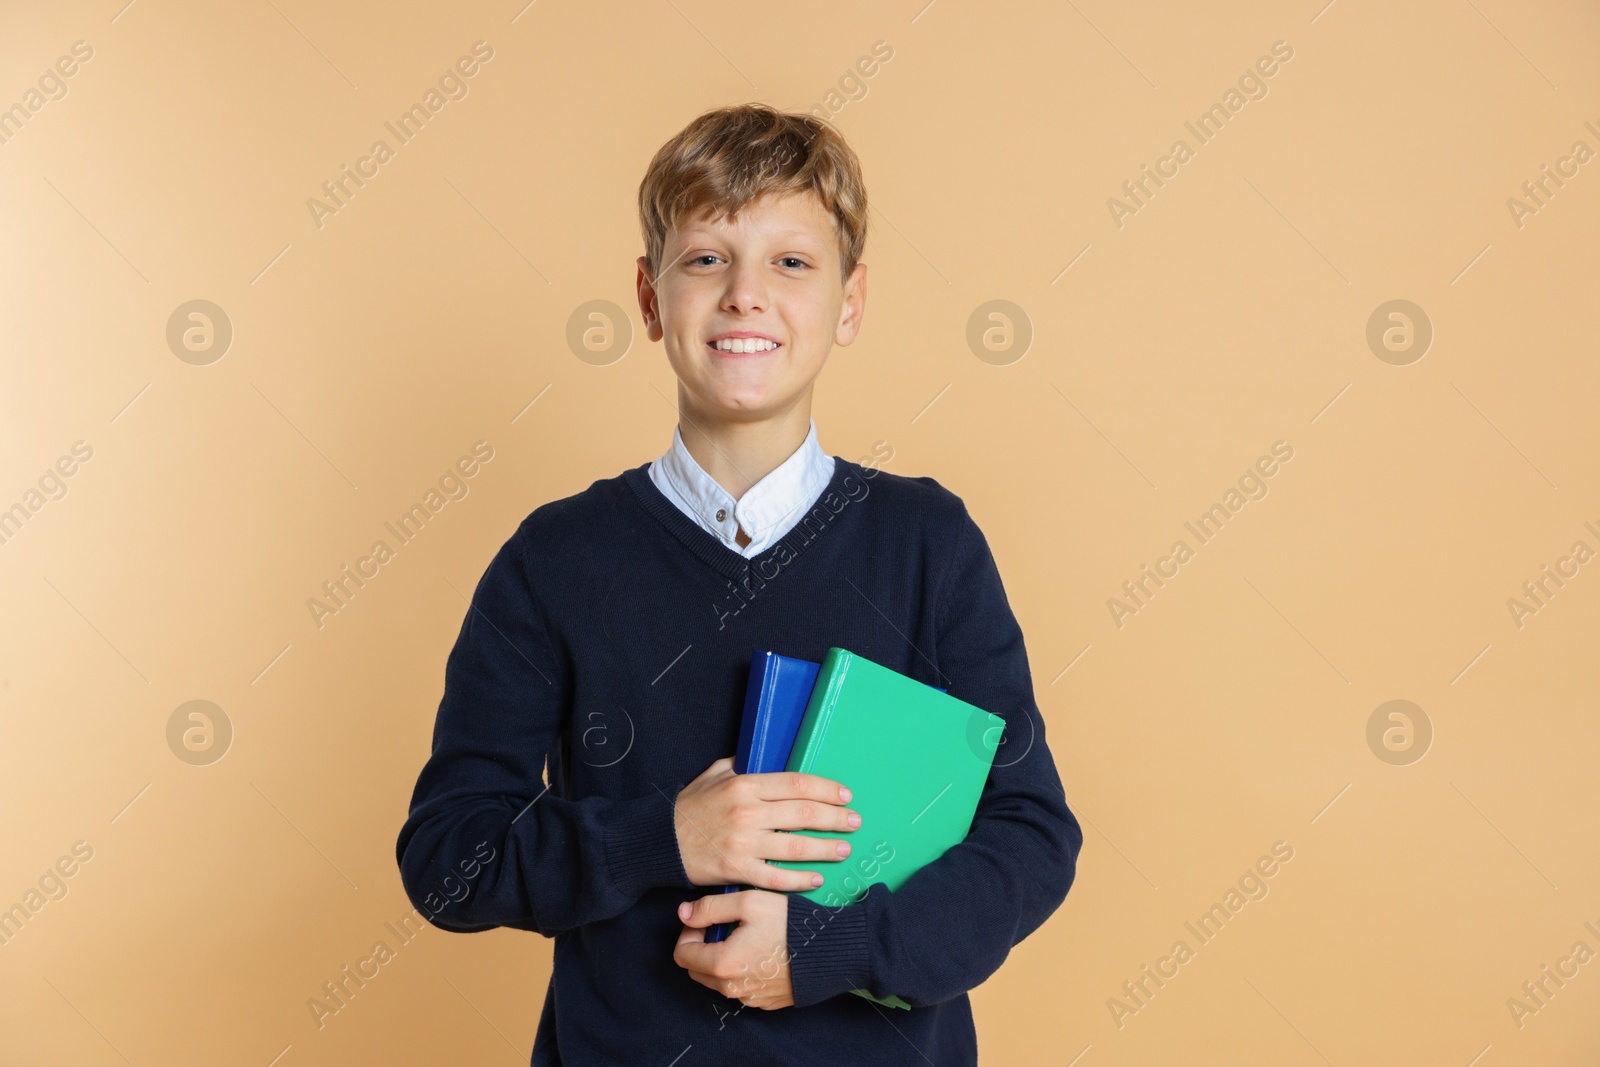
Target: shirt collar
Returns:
[[766, 505]]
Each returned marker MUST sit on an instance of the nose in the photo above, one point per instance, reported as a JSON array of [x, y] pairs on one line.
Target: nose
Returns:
[[746, 288]]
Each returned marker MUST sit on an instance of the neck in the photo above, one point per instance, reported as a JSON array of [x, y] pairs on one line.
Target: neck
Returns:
[[737, 455]]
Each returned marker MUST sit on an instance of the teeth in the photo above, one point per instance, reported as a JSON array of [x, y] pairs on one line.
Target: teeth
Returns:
[[745, 344]]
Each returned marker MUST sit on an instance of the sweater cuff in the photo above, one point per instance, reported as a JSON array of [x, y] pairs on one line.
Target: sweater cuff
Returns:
[[828, 950], [642, 844]]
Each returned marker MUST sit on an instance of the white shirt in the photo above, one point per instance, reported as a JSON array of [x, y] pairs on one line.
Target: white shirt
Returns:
[[768, 510]]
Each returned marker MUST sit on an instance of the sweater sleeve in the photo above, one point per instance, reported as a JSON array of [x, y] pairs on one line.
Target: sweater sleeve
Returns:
[[952, 923], [486, 843]]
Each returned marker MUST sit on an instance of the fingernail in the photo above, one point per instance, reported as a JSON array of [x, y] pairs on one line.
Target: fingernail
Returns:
[[684, 910], [844, 795], [844, 848], [816, 880], [853, 819]]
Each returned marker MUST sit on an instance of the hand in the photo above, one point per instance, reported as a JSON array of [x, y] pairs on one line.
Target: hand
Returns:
[[752, 965], [727, 826]]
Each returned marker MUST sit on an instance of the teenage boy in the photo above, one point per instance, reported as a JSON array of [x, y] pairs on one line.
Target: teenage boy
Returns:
[[608, 643]]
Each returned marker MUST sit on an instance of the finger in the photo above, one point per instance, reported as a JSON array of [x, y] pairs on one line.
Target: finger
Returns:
[[696, 955], [773, 878], [808, 815], [746, 987], [783, 880], [713, 908], [750, 988], [769, 1000], [803, 846], [797, 785]]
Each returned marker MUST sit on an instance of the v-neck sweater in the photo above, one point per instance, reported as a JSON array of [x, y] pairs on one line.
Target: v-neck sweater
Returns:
[[607, 646]]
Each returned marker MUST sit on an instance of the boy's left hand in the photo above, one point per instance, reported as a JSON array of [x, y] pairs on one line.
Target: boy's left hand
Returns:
[[752, 964]]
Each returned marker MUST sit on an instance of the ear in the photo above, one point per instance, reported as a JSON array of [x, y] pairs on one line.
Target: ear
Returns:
[[853, 308], [649, 307]]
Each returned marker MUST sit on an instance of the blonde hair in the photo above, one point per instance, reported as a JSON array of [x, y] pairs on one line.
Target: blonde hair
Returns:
[[730, 156]]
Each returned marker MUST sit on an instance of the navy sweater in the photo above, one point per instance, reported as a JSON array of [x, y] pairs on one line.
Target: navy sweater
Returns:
[[607, 647]]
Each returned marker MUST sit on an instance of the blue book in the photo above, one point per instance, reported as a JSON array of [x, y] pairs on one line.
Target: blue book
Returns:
[[775, 701]]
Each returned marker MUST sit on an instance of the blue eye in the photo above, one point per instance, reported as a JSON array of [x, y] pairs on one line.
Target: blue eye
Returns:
[[793, 259]]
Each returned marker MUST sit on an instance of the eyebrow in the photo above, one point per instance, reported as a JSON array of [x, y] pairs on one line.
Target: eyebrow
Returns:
[[780, 237]]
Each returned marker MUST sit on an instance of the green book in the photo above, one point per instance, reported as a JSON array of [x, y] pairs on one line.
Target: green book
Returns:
[[915, 761]]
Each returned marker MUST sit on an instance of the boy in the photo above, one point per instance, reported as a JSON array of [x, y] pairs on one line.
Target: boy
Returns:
[[608, 644]]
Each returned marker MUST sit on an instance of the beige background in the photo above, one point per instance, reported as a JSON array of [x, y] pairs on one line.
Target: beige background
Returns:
[[1228, 313]]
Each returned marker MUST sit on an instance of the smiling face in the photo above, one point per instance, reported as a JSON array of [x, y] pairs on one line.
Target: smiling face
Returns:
[[749, 309]]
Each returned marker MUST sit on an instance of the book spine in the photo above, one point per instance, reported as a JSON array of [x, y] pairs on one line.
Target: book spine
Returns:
[[758, 745], [824, 698]]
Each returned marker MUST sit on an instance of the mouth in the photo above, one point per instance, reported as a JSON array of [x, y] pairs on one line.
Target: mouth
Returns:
[[743, 344]]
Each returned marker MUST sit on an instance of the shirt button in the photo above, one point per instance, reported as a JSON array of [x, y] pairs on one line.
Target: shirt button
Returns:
[[722, 513]]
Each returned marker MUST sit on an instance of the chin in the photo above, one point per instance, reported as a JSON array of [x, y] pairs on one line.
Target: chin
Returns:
[[751, 392], [742, 406]]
